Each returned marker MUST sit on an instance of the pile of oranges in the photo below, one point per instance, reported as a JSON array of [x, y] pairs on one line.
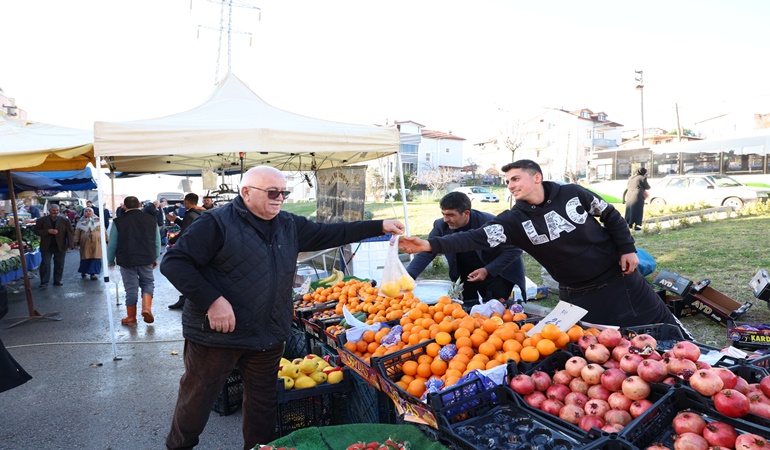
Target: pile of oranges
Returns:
[[482, 342]]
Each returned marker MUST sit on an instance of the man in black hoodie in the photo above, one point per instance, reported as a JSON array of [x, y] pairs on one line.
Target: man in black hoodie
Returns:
[[595, 265]]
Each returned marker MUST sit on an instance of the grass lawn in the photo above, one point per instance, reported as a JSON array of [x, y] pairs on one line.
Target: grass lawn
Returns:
[[729, 252]]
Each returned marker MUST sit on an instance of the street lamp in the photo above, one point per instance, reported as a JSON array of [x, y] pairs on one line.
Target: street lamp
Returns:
[[640, 88]]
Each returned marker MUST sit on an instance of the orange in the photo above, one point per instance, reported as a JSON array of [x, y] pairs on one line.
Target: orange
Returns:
[[382, 332], [513, 355], [466, 351], [461, 332], [350, 346], [458, 313], [362, 346], [550, 331], [496, 341], [409, 367], [512, 344], [535, 338], [424, 358], [402, 385], [489, 325], [519, 317], [477, 339], [464, 342], [545, 347], [593, 331], [562, 340], [529, 354], [487, 348], [507, 316], [520, 336], [527, 326], [457, 365], [438, 367], [575, 333], [506, 333], [416, 388], [493, 363], [444, 299], [372, 346], [424, 370], [452, 380], [445, 325], [414, 313], [443, 338], [432, 349], [476, 365]]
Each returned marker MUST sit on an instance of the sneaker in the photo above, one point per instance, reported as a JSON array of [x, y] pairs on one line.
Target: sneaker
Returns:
[[58, 283], [93, 277]]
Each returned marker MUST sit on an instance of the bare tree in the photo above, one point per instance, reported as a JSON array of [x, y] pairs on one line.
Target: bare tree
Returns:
[[437, 178], [514, 138], [375, 184]]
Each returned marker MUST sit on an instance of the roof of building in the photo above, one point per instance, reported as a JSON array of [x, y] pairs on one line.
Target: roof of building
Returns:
[[432, 134]]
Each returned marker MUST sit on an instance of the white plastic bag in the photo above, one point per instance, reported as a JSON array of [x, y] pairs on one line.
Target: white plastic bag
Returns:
[[357, 327], [209, 179], [394, 276], [488, 308], [531, 290]]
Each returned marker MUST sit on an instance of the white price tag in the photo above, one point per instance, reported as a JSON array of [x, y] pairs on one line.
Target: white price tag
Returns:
[[305, 288], [563, 315]]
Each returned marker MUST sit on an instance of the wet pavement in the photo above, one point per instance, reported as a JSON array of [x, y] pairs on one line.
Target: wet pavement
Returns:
[[80, 396]]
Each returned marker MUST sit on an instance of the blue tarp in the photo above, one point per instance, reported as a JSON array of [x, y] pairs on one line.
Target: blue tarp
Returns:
[[72, 180], [27, 181]]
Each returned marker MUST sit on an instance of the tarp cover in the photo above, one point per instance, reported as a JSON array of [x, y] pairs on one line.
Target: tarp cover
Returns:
[[32, 146], [72, 180], [232, 121]]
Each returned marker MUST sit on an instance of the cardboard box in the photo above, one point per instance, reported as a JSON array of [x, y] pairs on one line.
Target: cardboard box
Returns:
[[714, 304], [760, 284], [748, 335], [673, 282], [676, 304]]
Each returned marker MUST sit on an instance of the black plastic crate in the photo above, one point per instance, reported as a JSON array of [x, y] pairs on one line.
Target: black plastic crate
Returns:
[[494, 419], [610, 442], [655, 425], [297, 345], [366, 404], [312, 411], [231, 397]]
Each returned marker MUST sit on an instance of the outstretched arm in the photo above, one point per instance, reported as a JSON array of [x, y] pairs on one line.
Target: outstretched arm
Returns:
[[411, 244]]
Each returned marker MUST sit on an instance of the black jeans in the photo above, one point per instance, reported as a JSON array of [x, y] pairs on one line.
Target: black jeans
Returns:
[[492, 288], [58, 265], [206, 370]]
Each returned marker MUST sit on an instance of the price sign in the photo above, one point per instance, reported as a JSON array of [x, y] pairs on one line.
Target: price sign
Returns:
[[305, 288], [563, 315]]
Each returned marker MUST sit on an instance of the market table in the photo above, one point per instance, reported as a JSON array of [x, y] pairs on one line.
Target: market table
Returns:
[[33, 262], [341, 436]]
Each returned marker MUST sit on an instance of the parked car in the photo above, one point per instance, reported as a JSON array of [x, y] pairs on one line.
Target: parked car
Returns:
[[713, 190], [477, 193]]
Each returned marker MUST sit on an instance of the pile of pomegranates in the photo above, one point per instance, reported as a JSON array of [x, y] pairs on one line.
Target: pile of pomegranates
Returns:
[[693, 432]]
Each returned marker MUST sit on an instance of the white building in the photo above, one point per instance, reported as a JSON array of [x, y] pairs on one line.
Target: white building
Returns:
[[731, 124]]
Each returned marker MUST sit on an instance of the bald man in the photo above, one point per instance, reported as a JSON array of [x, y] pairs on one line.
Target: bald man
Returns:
[[236, 266]]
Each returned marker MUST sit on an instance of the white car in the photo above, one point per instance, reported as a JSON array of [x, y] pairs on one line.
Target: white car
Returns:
[[477, 193], [713, 190]]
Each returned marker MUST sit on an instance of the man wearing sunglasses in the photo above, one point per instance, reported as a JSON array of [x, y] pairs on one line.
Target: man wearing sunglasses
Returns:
[[236, 267]]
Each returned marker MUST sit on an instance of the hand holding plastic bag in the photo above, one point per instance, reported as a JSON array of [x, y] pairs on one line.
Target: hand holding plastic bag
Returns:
[[394, 276]]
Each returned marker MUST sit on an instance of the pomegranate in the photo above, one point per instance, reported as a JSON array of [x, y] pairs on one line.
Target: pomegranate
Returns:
[[613, 428], [630, 363], [706, 382], [655, 356], [644, 340], [618, 416], [702, 365], [609, 337], [732, 403], [576, 398], [589, 421], [574, 365], [720, 434], [742, 386], [619, 352], [592, 373], [652, 371], [657, 446], [751, 441], [586, 340], [597, 353], [597, 407], [571, 414], [578, 385], [729, 379], [557, 392], [685, 374], [611, 364], [541, 379], [676, 364], [598, 391], [759, 408], [612, 379], [764, 386], [624, 342], [686, 349], [635, 388], [639, 407], [552, 406], [690, 441], [535, 399], [688, 422], [562, 377], [522, 384], [757, 396], [671, 381], [619, 401]]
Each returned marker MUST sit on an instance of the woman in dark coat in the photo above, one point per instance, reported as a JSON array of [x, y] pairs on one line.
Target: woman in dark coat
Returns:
[[637, 184]]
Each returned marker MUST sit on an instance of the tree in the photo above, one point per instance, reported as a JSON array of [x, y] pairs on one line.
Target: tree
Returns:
[[375, 184], [437, 179], [514, 138], [685, 132]]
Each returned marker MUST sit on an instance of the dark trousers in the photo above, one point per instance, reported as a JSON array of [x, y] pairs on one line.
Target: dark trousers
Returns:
[[58, 265], [206, 371], [492, 288]]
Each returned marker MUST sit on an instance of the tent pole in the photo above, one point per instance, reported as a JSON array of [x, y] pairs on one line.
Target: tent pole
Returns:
[[33, 314], [403, 191], [105, 267]]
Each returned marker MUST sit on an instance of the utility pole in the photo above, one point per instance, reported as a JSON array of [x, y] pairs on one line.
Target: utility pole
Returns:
[[640, 88], [678, 127], [226, 30]]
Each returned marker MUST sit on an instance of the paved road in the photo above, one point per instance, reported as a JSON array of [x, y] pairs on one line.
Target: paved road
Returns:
[[80, 397]]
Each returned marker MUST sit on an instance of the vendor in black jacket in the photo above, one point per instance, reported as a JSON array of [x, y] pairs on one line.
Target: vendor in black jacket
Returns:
[[595, 265], [236, 266], [491, 273]]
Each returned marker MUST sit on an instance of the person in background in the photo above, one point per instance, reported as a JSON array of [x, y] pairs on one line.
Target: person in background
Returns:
[[181, 208], [594, 264], [34, 213], [208, 202], [119, 210], [236, 265], [89, 205], [88, 239], [193, 213], [107, 216], [637, 186], [490, 273], [134, 243], [155, 209], [71, 214], [56, 237]]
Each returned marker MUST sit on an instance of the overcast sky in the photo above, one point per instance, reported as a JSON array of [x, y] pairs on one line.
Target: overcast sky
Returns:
[[461, 66]]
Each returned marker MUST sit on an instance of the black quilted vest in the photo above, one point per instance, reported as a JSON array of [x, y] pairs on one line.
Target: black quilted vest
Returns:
[[136, 239], [255, 273]]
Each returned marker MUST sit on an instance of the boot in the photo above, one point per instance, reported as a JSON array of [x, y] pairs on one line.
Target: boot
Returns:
[[130, 320], [147, 308], [179, 304]]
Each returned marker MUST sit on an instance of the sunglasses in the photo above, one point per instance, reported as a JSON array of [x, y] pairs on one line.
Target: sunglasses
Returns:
[[272, 194]]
